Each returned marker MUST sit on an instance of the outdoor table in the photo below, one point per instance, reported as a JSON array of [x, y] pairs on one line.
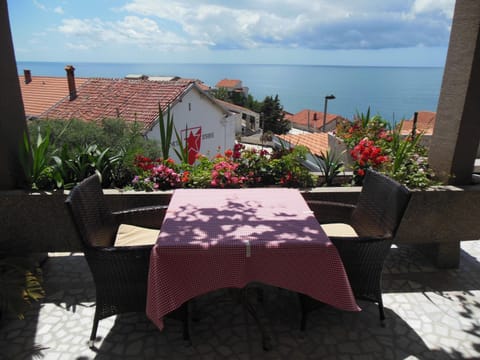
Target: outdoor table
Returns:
[[227, 238]]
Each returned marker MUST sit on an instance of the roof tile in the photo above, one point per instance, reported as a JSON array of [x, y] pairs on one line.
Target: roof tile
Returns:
[[43, 92], [229, 84], [316, 142], [310, 118], [132, 100], [425, 123]]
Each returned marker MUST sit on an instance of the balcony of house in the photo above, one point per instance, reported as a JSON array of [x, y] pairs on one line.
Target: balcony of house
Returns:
[[429, 279], [431, 314]]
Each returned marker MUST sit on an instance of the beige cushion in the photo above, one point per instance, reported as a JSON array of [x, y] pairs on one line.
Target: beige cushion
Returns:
[[130, 235], [339, 230]]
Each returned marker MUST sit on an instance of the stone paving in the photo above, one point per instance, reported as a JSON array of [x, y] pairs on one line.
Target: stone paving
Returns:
[[431, 314]]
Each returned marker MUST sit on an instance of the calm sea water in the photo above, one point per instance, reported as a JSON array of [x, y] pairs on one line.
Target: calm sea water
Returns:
[[392, 92]]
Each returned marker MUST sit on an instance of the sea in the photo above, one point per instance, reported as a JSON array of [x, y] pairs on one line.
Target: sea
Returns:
[[395, 93]]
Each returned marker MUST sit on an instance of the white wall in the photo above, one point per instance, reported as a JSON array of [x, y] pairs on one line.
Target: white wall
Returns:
[[195, 112]]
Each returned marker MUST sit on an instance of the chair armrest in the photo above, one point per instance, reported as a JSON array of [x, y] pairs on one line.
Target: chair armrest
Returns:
[[359, 239], [148, 216], [331, 212]]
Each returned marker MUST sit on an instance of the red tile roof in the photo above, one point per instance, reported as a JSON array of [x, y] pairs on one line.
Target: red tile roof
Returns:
[[131, 100], [44, 91], [316, 142], [310, 118], [229, 84], [425, 123]]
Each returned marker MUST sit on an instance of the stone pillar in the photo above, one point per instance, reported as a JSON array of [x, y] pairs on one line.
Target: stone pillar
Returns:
[[12, 113], [457, 129]]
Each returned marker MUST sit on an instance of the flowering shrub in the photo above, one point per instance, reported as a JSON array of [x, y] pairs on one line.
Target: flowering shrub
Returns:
[[224, 171], [239, 167], [156, 174], [373, 144], [367, 155], [363, 126], [254, 166]]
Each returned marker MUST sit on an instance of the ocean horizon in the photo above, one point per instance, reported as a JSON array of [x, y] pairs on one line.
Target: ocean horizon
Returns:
[[394, 93]]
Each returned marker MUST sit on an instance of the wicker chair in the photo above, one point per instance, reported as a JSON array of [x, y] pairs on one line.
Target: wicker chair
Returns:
[[118, 254], [363, 234]]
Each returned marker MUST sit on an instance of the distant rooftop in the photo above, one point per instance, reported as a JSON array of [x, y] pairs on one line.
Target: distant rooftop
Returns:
[[425, 123], [310, 119], [315, 142], [43, 92], [229, 84]]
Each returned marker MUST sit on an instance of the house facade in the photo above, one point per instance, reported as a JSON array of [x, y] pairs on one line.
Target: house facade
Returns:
[[205, 125], [247, 122]]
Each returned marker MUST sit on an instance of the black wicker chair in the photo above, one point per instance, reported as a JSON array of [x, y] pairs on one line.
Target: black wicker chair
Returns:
[[363, 234], [118, 255]]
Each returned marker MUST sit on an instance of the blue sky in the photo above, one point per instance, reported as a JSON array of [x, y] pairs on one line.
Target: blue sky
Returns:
[[323, 32]]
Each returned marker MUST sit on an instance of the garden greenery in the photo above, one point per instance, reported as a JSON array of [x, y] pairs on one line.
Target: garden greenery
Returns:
[[235, 168], [65, 152], [373, 143]]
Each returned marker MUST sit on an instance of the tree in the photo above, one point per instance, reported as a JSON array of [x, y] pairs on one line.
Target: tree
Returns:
[[221, 94], [273, 117], [253, 104]]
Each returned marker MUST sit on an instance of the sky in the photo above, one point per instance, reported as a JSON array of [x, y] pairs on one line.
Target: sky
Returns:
[[316, 32]]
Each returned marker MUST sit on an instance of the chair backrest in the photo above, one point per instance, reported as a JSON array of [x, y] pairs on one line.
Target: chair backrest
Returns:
[[91, 215], [381, 205]]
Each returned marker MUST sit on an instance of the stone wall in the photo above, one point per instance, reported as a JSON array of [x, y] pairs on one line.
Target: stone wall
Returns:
[[439, 218]]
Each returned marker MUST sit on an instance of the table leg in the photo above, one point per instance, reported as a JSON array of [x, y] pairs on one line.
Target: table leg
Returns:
[[266, 339]]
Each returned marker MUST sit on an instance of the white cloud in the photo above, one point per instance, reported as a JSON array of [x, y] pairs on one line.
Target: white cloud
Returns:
[[39, 5], [429, 6], [58, 10], [143, 32], [320, 24], [300, 23]]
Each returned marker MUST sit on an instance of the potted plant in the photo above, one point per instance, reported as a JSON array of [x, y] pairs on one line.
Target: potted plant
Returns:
[[20, 283]]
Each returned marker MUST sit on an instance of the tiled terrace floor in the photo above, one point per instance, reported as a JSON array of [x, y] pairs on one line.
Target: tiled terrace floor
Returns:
[[431, 314]]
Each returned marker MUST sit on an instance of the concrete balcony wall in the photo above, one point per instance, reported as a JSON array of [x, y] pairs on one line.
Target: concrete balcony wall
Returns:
[[437, 218], [41, 222]]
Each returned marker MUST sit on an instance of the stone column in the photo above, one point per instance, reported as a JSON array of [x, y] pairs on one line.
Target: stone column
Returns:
[[12, 113], [457, 129]]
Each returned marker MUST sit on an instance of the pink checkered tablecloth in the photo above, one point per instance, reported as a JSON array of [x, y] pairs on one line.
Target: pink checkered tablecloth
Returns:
[[219, 238]]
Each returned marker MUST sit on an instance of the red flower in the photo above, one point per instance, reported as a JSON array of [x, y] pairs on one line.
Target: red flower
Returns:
[[228, 153]]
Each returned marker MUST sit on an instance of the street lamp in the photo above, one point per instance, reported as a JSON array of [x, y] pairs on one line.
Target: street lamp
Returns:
[[328, 97]]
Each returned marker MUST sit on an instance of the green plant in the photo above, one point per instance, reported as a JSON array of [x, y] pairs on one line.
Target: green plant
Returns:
[[330, 164], [363, 126], [199, 175], [20, 283], [375, 144], [167, 129], [409, 163], [288, 170], [77, 164], [253, 165], [36, 161], [67, 148]]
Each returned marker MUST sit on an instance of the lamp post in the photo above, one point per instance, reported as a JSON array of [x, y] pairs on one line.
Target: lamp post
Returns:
[[328, 97]]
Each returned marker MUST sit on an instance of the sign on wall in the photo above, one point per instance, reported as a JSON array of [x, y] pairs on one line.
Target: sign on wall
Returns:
[[193, 137]]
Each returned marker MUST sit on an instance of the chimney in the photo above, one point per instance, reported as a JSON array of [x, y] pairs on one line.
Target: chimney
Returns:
[[72, 90], [28, 76]]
